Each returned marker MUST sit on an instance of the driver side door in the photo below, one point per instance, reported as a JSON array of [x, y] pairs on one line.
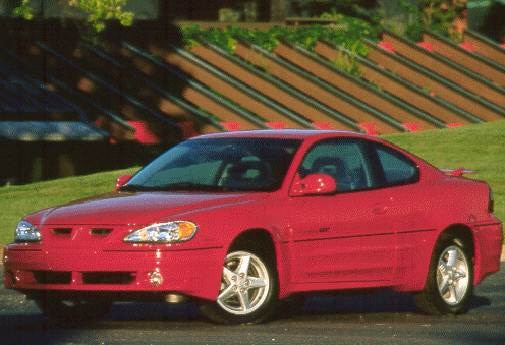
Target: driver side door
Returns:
[[347, 237]]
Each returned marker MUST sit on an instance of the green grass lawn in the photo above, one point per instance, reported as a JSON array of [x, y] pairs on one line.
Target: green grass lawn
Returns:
[[480, 147]]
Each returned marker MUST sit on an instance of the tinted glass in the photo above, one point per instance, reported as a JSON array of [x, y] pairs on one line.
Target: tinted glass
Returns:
[[397, 169], [343, 159], [219, 164]]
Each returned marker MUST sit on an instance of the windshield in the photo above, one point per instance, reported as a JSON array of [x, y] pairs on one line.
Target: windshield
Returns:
[[219, 164]]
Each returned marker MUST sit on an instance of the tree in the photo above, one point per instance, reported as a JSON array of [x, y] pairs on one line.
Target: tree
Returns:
[[98, 11]]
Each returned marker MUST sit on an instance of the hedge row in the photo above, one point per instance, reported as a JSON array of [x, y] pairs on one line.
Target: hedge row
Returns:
[[346, 32]]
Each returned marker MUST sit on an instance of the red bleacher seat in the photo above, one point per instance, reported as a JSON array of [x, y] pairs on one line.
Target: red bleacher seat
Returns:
[[410, 126], [231, 125], [427, 46], [322, 125], [143, 133], [453, 124], [387, 46], [369, 128], [187, 129], [467, 46], [276, 124]]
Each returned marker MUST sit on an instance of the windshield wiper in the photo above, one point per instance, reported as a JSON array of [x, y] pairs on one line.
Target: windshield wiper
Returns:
[[181, 186], [136, 188], [190, 186]]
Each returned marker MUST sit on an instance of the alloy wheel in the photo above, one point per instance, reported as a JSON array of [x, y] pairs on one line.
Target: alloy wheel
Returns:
[[245, 283], [452, 275]]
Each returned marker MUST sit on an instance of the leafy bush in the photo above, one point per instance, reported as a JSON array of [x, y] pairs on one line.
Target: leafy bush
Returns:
[[439, 16], [315, 8], [98, 11], [404, 17], [409, 19], [346, 61], [345, 31]]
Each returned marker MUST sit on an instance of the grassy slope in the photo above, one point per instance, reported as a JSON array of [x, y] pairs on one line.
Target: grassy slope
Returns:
[[480, 147]]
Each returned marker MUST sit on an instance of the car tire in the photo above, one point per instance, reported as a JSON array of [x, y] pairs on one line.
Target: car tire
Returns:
[[72, 310], [249, 289], [449, 287]]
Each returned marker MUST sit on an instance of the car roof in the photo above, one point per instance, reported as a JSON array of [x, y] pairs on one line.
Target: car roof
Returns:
[[284, 133]]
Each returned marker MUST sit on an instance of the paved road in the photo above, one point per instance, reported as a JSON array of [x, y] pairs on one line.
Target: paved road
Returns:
[[380, 318]]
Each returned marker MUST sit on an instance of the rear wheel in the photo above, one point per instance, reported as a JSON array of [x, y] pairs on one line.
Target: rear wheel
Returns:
[[248, 291], [73, 310], [450, 282]]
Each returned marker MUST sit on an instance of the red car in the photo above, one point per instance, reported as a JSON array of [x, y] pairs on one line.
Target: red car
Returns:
[[240, 221]]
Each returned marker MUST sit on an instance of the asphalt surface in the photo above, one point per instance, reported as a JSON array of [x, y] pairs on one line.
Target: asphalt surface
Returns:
[[379, 318]]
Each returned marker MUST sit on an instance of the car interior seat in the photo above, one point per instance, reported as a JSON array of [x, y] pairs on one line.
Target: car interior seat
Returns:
[[248, 175]]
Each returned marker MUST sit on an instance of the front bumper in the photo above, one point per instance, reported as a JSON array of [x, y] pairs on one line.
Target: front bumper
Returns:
[[195, 273]]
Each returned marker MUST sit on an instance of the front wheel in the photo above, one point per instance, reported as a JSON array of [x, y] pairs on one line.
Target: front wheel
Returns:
[[450, 282], [248, 292]]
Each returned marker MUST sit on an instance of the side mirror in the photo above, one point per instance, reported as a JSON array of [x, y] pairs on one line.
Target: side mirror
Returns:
[[121, 181], [313, 184]]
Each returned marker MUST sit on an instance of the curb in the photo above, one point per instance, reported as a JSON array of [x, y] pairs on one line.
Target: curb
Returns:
[[502, 259]]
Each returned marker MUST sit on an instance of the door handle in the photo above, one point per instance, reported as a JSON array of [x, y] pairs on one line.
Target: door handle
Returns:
[[380, 209]]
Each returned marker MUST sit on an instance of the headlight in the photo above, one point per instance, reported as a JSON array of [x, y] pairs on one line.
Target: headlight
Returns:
[[26, 232], [177, 231]]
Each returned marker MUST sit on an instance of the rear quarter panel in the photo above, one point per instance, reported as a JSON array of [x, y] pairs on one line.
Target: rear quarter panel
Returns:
[[449, 201]]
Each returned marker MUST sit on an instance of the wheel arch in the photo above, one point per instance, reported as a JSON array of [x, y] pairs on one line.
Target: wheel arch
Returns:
[[265, 242], [464, 233], [253, 237], [430, 299]]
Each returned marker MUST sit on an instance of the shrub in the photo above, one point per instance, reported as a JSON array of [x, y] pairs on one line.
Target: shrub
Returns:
[[345, 31]]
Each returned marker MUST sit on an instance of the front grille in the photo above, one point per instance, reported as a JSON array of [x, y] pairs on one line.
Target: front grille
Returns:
[[108, 277], [50, 277], [78, 232]]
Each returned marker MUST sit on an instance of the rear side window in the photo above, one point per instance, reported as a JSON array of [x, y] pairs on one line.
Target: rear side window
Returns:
[[396, 168]]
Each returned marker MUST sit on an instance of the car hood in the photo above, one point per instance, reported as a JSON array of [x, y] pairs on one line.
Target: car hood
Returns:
[[139, 208]]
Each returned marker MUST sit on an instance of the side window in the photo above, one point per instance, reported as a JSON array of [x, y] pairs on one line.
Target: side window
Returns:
[[343, 159], [397, 169]]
